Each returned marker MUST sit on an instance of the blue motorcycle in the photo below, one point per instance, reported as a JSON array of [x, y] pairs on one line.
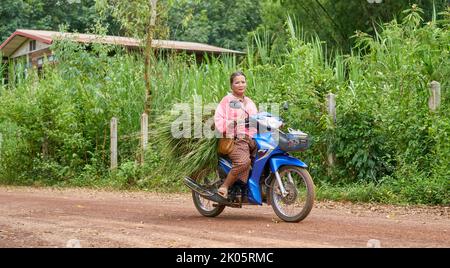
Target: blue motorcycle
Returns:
[[276, 178]]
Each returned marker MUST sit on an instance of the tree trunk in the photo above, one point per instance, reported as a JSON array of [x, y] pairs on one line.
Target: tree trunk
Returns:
[[148, 52]]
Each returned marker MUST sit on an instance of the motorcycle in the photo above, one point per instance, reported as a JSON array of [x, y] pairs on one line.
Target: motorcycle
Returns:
[[275, 178]]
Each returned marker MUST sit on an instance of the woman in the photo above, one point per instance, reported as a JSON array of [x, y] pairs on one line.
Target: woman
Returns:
[[232, 124]]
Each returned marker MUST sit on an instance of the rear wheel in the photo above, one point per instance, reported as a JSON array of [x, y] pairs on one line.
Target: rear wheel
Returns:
[[207, 207], [298, 202]]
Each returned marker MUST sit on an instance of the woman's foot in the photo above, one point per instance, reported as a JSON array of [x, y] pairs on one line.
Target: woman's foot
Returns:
[[223, 191]]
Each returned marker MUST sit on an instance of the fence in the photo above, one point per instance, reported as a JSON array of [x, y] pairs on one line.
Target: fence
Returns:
[[433, 104], [142, 135]]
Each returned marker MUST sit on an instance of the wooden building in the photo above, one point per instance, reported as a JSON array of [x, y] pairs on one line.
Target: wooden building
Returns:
[[32, 46]]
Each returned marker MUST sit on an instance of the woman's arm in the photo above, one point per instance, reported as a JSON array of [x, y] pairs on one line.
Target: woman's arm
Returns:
[[221, 120]]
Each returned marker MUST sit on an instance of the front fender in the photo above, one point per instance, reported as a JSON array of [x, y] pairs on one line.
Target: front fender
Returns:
[[284, 160]]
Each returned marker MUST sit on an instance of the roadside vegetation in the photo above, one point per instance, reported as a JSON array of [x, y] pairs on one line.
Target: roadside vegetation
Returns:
[[388, 146]]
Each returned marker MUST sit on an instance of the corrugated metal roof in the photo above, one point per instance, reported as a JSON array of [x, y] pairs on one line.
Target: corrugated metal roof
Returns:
[[20, 35]]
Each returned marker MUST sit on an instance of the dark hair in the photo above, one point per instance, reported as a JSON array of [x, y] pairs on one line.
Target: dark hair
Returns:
[[233, 75]]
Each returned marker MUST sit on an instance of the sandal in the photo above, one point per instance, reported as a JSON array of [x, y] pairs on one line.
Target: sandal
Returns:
[[223, 191]]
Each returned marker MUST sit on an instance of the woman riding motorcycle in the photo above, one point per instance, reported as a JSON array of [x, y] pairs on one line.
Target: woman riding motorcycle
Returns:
[[231, 123]]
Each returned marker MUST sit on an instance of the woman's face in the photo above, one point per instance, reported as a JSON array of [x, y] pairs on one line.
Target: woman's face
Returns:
[[239, 85]]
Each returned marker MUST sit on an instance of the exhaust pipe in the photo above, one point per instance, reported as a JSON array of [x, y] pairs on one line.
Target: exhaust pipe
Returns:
[[210, 195]]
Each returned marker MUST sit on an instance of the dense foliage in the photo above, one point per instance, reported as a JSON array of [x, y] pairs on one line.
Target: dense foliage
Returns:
[[45, 15], [225, 23], [335, 21], [218, 22]]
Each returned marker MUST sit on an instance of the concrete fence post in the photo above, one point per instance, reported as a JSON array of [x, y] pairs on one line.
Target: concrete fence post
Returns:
[[331, 110], [331, 106], [1, 141], [144, 135], [113, 143], [435, 96]]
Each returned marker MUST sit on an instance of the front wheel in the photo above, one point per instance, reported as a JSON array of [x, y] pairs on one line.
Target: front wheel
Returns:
[[299, 199]]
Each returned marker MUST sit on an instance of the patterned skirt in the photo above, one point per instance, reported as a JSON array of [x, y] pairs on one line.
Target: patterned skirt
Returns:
[[242, 156]]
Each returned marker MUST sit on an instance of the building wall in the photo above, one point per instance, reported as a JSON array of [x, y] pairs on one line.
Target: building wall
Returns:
[[25, 48], [34, 56]]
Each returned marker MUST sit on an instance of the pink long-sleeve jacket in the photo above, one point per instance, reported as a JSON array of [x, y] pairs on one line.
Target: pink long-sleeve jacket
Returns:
[[225, 116]]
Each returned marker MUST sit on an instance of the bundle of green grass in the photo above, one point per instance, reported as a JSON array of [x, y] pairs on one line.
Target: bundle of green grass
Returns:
[[187, 155]]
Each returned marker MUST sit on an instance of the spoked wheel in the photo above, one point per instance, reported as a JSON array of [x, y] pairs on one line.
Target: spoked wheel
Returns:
[[207, 207], [299, 198]]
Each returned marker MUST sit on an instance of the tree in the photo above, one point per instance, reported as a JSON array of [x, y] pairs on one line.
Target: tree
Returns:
[[335, 21], [79, 15], [224, 23], [139, 19]]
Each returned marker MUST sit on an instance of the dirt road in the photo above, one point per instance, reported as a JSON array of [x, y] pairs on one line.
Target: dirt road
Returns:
[[46, 217]]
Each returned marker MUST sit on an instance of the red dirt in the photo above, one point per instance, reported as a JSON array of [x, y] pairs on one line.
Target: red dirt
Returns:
[[47, 217]]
